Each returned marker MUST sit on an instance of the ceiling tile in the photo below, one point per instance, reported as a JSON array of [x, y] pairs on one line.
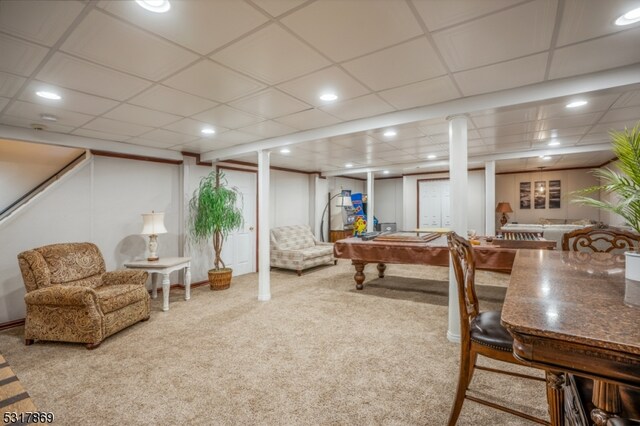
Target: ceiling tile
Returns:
[[409, 62], [228, 117], [515, 32], [309, 119], [166, 99], [73, 73], [501, 117], [346, 29], [406, 131], [100, 135], [277, 7], [3, 102], [423, 93], [271, 55], [504, 75], [567, 121], [107, 125], [168, 137], [270, 103], [151, 143], [440, 14], [199, 146], [559, 109], [32, 112], [509, 129], [583, 20], [628, 99], [10, 84], [138, 115], [310, 87], [192, 127], [38, 21], [110, 42], [604, 53], [560, 133], [365, 106], [233, 137], [213, 81], [621, 114], [267, 129], [71, 100], [26, 122], [19, 57], [595, 138], [198, 25]]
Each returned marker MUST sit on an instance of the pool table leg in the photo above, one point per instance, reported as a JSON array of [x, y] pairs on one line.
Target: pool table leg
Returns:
[[359, 276], [381, 268]]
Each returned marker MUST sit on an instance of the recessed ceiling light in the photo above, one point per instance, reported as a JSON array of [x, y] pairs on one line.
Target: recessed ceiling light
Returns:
[[385, 172], [157, 6], [553, 143], [431, 156], [545, 157], [631, 17], [208, 131], [329, 96], [390, 133], [48, 117], [48, 95], [285, 151], [576, 104], [348, 165]]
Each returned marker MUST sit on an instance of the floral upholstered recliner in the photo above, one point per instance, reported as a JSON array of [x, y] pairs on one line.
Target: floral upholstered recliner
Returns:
[[295, 247], [70, 297]]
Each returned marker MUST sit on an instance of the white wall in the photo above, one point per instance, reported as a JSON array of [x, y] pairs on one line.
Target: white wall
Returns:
[[102, 203], [508, 189], [388, 201], [476, 199], [289, 198]]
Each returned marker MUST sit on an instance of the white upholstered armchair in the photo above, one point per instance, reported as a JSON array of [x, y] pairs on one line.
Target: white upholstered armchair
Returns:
[[295, 247]]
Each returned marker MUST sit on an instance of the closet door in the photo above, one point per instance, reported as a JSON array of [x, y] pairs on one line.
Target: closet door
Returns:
[[445, 204], [429, 208]]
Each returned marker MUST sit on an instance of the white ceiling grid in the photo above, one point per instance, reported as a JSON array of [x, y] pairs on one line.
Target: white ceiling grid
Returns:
[[254, 69]]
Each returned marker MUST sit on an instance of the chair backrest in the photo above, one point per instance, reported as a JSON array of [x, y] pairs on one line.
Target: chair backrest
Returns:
[[67, 263], [600, 239], [464, 267], [294, 237]]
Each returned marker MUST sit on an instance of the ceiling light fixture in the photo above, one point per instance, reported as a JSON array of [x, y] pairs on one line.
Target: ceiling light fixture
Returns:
[[385, 172], [576, 104], [431, 156], [631, 17], [285, 151], [545, 157], [208, 131], [390, 133], [553, 143], [48, 95], [329, 96], [156, 6], [348, 165], [48, 117]]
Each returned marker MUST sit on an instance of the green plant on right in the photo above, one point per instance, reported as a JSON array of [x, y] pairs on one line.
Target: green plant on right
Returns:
[[214, 212], [626, 185]]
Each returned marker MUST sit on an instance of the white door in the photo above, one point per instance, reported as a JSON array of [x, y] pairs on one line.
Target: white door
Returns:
[[239, 251], [434, 208], [445, 204]]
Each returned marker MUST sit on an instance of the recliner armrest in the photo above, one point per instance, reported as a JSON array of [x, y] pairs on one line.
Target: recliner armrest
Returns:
[[125, 276], [62, 295]]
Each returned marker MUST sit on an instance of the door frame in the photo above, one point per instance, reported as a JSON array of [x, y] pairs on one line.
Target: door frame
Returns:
[[418, 196], [238, 169]]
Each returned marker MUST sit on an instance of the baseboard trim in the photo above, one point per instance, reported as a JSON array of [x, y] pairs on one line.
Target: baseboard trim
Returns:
[[11, 324]]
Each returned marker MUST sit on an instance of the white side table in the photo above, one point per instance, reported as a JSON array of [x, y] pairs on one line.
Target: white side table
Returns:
[[165, 266]]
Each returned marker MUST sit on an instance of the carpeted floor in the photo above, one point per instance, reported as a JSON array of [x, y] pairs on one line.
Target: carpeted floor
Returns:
[[318, 353]]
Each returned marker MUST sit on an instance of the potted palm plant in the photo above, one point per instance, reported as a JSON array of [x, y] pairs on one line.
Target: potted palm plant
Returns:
[[214, 213], [625, 185]]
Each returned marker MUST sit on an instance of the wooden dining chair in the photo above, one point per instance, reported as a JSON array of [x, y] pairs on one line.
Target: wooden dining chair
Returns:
[[600, 239], [480, 333]]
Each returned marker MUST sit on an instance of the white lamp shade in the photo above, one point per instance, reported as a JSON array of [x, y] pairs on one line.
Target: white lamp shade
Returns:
[[153, 224], [344, 201]]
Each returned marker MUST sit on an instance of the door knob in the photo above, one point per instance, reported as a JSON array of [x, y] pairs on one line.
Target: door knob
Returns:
[[251, 228]]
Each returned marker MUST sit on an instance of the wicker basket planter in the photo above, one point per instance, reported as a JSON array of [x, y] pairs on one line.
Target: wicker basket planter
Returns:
[[220, 279]]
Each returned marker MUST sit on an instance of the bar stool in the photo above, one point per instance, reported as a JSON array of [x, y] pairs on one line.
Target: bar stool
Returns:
[[481, 333]]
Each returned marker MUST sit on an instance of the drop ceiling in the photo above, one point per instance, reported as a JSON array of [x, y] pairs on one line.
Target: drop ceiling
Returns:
[[254, 70]]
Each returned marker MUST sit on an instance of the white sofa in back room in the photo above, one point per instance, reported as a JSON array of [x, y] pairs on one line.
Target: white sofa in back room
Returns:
[[550, 231]]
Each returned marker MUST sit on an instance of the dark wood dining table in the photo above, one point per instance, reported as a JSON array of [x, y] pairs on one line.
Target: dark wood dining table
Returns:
[[575, 313]]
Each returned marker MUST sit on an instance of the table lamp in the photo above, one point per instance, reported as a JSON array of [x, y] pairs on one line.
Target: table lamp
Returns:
[[504, 208], [153, 224]]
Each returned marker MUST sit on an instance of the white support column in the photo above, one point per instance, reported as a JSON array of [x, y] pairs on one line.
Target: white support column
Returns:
[[490, 197], [264, 275], [458, 176], [370, 211]]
